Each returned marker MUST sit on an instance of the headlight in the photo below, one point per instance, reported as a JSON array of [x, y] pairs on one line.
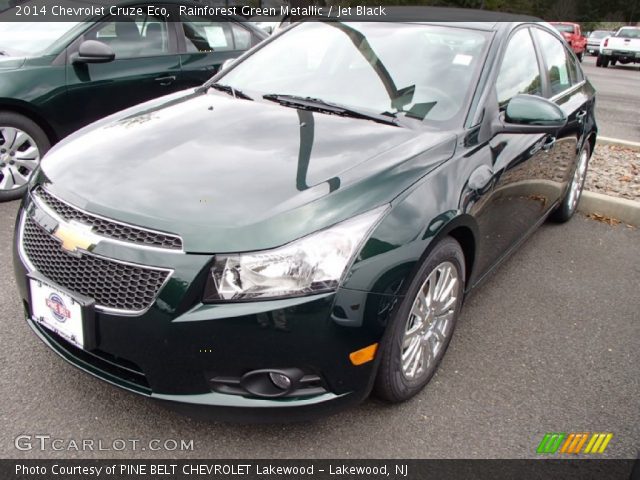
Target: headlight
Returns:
[[312, 264]]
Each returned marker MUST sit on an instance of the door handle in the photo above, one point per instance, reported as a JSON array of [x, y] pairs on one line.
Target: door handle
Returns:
[[168, 80], [548, 144], [580, 115]]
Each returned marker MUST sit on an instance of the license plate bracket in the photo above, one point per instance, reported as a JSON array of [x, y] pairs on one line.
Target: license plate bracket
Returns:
[[68, 314]]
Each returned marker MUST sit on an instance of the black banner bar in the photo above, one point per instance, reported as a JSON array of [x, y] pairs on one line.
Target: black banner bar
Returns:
[[546, 469], [617, 12]]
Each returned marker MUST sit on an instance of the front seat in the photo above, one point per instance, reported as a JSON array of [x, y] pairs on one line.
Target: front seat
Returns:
[[128, 41], [153, 40]]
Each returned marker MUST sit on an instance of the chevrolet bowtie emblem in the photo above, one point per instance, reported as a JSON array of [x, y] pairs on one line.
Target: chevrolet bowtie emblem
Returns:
[[75, 236]]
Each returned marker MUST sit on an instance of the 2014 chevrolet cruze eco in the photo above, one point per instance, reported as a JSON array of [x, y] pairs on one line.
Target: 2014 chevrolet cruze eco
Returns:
[[304, 227]]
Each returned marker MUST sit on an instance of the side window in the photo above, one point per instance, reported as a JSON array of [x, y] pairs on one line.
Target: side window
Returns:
[[134, 36], [519, 72], [206, 35], [241, 36], [557, 60], [575, 70]]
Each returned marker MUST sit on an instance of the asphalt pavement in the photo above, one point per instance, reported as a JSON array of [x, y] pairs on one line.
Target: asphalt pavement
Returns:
[[618, 99], [549, 343]]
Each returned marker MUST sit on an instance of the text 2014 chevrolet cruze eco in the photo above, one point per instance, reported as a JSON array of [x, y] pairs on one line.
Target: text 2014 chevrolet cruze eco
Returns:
[[303, 228]]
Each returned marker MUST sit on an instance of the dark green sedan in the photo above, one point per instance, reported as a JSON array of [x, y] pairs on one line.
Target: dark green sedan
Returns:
[[56, 77], [303, 229]]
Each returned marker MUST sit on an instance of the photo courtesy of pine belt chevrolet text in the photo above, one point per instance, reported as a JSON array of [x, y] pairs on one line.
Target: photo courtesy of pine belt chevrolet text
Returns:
[[301, 230]]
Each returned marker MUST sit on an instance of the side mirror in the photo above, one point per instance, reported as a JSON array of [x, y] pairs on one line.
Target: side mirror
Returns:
[[531, 114], [227, 63], [92, 51]]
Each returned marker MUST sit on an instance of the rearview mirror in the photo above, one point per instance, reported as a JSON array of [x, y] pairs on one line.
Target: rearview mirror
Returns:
[[227, 63], [532, 114], [92, 51]]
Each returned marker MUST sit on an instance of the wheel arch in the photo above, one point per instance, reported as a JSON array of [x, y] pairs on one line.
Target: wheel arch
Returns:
[[463, 229], [27, 110]]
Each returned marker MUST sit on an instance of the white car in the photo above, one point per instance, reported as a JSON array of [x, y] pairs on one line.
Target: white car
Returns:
[[622, 47]]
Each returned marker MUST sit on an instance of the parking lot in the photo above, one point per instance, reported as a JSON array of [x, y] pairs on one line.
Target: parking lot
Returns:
[[548, 344], [618, 101]]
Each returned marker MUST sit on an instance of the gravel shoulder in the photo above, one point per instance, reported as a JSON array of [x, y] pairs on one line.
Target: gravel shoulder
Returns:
[[615, 171]]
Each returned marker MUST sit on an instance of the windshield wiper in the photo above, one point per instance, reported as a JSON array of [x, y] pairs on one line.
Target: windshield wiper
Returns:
[[230, 90], [319, 105]]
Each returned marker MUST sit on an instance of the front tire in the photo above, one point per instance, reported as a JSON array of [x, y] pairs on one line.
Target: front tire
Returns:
[[569, 203], [22, 145], [422, 326]]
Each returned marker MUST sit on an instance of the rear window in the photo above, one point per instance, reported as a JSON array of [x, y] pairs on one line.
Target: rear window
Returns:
[[628, 33], [564, 28]]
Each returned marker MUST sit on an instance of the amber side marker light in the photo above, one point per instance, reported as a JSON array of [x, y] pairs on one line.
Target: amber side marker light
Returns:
[[363, 355]]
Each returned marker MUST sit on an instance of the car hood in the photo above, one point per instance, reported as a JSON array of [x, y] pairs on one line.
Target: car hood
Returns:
[[11, 63], [235, 175]]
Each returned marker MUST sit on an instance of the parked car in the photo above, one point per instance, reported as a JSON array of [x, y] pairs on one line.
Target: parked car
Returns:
[[305, 226], [57, 77], [623, 47], [573, 35], [594, 39]]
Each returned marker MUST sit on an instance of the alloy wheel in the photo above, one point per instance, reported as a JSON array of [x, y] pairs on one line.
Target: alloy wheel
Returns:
[[19, 157], [430, 321], [575, 190]]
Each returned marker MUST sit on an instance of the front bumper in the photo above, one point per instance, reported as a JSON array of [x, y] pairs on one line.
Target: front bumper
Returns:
[[209, 405], [175, 350]]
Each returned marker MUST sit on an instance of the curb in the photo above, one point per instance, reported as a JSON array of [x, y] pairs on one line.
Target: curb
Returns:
[[618, 142], [627, 211]]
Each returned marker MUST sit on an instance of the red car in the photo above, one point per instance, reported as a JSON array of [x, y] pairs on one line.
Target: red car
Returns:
[[573, 35]]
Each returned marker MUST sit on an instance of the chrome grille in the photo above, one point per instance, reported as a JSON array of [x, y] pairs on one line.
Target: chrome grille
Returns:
[[109, 228], [112, 284]]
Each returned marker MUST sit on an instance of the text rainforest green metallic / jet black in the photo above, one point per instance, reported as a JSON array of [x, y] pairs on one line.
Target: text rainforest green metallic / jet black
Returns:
[[303, 228]]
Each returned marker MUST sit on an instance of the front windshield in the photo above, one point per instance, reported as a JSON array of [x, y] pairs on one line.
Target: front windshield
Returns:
[[420, 71], [31, 38], [628, 33]]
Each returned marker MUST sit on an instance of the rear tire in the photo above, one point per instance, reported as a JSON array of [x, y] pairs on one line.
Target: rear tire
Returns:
[[599, 61], [580, 56], [571, 199], [605, 62], [421, 328], [22, 145]]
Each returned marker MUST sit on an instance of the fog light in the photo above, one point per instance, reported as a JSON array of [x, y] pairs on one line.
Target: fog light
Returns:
[[280, 380]]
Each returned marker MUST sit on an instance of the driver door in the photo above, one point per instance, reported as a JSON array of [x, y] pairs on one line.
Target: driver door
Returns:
[[146, 66], [520, 162]]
